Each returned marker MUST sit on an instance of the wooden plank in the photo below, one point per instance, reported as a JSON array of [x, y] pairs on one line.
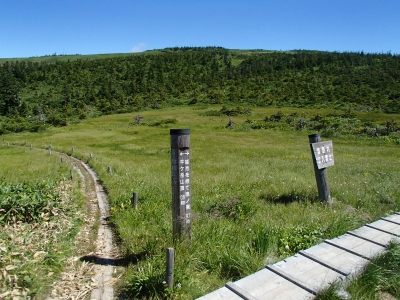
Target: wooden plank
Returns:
[[373, 234], [267, 285], [301, 276], [308, 272], [341, 259], [383, 230], [324, 263], [292, 279], [239, 291], [346, 249], [395, 217], [365, 239], [389, 220], [385, 226], [357, 246], [221, 294]]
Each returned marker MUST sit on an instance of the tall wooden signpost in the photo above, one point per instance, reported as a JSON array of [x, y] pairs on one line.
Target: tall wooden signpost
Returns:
[[181, 191], [322, 154]]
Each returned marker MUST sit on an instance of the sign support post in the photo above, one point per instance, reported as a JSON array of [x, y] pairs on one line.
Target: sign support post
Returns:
[[322, 154], [180, 175]]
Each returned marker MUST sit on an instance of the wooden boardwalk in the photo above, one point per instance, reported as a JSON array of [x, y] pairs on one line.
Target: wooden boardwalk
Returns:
[[301, 276]]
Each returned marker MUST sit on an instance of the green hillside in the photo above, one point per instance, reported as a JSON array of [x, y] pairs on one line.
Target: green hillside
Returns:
[[252, 180], [63, 89]]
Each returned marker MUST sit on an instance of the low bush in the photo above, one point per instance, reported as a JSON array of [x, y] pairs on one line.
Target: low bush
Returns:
[[298, 238], [225, 111], [160, 123], [330, 125], [26, 203]]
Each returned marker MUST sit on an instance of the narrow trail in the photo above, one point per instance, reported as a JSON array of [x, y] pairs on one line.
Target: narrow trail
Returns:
[[92, 274]]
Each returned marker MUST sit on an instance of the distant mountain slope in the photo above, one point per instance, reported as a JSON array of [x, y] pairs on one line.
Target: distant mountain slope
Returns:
[[63, 88]]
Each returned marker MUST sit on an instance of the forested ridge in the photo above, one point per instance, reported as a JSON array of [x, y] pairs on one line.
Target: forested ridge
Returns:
[[33, 94]]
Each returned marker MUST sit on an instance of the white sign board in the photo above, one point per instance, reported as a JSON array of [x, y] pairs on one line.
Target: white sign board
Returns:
[[323, 152]]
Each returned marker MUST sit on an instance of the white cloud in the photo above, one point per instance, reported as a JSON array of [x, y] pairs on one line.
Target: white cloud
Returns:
[[139, 47]]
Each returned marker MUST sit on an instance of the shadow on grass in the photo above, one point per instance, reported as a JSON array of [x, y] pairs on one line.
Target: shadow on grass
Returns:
[[118, 262], [290, 197]]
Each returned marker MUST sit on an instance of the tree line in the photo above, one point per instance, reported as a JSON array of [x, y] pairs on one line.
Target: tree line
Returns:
[[33, 94]]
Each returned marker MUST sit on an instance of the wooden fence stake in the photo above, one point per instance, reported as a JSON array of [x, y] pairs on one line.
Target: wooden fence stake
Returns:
[[31, 147], [170, 267], [321, 175], [61, 159], [180, 175], [71, 174], [109, 170], [135, 200], [73, 148]]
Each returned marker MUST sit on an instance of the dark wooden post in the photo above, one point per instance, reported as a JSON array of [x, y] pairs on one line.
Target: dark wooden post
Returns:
[[321, 175], [109, 169], [181, 191], [138, 118], [170, 267], [71, 174], [135, 200]]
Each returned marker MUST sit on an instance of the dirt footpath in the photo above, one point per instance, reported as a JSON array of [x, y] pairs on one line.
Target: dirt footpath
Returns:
[[91, 274]]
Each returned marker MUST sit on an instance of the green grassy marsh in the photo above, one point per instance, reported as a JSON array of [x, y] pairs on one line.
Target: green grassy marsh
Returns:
[[254, 193]]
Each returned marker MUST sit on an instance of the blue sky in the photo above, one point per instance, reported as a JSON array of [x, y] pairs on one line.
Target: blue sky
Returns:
[[43, 27]]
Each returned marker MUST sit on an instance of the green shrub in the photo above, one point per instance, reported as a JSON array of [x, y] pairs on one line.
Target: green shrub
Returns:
[[26, 203], [293, 240], [160, 122], [330, 125], [225, 111]]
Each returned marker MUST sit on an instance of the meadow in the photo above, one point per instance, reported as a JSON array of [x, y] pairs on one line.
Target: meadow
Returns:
[[254, 195], [41, 211]]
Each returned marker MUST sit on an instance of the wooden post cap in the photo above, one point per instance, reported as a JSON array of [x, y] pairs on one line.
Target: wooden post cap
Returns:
[[179, 131]]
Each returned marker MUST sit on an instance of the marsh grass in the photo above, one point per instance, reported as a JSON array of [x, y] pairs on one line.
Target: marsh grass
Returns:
[[252, 190], [380, 276], [37, 234]]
